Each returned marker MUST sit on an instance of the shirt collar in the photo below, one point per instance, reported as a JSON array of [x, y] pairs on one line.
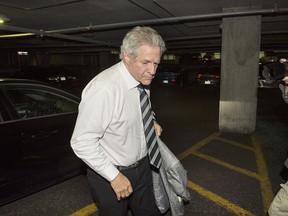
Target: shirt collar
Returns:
[[131, 82]]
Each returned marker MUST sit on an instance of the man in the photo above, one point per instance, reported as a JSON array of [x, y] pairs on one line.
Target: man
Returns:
[[284, 85], [109, 132], [279, 205], [284, 88]]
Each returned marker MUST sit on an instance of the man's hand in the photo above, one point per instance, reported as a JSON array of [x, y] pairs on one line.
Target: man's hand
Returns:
[[158, 128], [121, 186]]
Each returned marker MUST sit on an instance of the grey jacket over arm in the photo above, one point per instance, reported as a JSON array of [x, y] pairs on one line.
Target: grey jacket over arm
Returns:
[[170, 183]]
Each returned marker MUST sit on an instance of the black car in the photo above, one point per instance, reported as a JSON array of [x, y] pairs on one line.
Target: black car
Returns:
[[209, 75], [69, 78], [170, 75], [36, 124]]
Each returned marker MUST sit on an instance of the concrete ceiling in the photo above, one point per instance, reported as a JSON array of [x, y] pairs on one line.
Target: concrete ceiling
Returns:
[[89, 25]]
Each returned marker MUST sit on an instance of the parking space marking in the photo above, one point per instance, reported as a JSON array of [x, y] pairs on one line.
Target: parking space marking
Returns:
[[266, 189], [237, 144], [227, 165], [262, 174], [197, 146], [219, 200], [87, 210]]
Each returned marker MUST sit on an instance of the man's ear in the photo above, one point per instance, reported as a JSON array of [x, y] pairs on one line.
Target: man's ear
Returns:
[[127, 57]]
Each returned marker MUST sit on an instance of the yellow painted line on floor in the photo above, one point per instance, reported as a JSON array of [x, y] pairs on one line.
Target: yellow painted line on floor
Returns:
[[189, 151], [208, 139], [237, 210], [234, 143], [266, 189], [261, 175], [87, 210], [227, 165]]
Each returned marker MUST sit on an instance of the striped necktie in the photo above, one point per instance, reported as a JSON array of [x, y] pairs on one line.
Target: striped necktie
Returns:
[[150, 134]]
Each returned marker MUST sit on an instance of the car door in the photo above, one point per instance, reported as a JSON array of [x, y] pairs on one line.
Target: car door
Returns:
[[46, 120], [14, 166]]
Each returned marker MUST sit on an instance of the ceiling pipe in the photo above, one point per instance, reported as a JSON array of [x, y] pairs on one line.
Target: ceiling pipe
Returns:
[[173, 20], [218, 36], [161, 21]]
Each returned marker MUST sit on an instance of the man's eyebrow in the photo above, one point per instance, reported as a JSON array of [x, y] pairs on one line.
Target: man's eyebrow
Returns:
[[150, 61]]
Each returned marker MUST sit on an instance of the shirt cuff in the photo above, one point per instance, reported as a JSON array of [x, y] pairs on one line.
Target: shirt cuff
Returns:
[[110, 173]]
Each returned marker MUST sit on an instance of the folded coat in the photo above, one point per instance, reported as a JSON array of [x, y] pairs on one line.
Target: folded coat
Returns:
[[170, 183]]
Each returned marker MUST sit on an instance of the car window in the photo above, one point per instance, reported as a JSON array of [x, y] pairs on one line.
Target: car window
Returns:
[[4, 115], [29, 103]]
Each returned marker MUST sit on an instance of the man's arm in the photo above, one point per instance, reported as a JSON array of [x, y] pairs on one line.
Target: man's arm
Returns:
[[93, 118]]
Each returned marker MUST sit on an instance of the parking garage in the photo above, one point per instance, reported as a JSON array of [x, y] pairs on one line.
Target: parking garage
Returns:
[[231, 138]]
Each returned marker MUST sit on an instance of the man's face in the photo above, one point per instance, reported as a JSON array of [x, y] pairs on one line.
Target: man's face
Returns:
[[282, 60], [285, 80], [143, 68]]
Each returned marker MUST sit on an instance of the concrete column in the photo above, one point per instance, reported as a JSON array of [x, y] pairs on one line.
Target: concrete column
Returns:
[[239, 73]]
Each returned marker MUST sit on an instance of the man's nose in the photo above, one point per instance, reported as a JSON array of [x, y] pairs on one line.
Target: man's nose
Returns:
[[152, 69]]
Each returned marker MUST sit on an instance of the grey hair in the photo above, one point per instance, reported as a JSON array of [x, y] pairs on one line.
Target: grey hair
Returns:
[[139, 36]]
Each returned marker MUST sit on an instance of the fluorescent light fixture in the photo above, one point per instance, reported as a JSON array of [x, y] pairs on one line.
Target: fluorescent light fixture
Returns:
[[3, 18], [16, 35], [22, 53]]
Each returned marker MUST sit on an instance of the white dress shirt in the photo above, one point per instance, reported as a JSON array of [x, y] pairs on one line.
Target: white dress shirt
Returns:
[[109, 128]]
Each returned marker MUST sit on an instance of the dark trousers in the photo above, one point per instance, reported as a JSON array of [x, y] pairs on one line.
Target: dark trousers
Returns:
[[141, 201]]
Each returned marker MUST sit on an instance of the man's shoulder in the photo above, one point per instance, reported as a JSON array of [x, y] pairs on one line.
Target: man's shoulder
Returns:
[[107, 76]]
